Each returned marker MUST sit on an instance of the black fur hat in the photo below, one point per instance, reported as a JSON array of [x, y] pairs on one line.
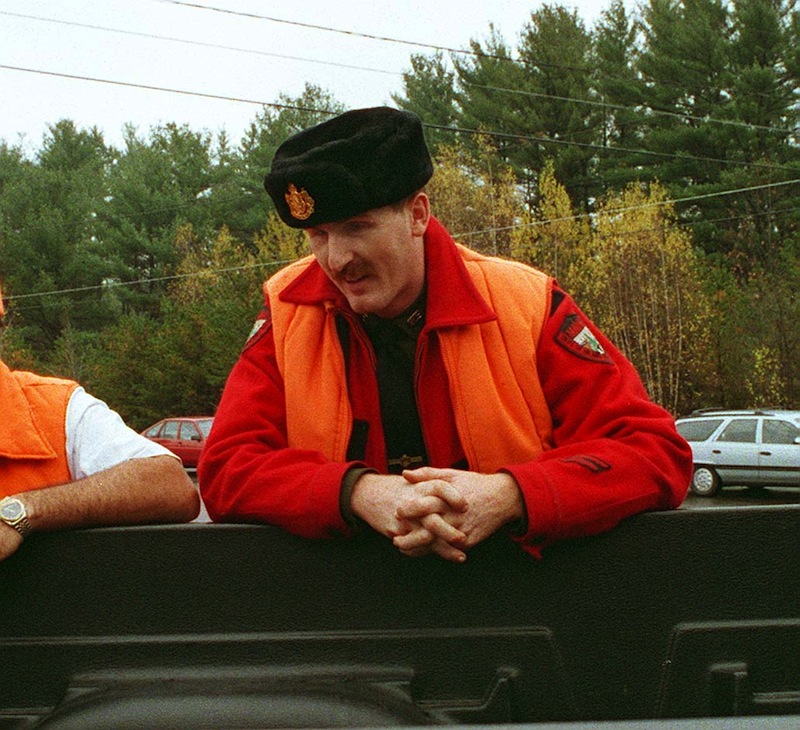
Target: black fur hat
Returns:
[[362, 159]]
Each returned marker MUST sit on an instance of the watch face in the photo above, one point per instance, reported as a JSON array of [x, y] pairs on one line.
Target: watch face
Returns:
[[11, 509]]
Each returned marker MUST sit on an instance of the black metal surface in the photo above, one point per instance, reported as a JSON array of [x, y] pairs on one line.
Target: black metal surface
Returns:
[[673, 615]]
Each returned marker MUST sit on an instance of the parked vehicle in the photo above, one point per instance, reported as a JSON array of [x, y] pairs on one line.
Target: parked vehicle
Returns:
[[183, 436], [751, 448]]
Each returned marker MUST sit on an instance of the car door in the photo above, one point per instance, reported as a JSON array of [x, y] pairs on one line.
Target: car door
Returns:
[[779, 452], [699, 432], [169, 436], [190, 444], [154, 431], [735, 452]]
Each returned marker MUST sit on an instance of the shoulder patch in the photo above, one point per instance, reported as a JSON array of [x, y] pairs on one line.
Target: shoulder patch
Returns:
[[260, 327], [575, 336]]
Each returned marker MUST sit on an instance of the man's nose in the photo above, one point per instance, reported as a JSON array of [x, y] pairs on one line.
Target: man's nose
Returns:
[[339, 253]]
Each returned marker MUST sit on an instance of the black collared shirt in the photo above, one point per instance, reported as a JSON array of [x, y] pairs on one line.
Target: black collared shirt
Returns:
[[395, 344]]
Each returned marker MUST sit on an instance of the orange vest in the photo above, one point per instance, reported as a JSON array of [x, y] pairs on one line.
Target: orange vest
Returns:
[[500, 410], [33, 452]]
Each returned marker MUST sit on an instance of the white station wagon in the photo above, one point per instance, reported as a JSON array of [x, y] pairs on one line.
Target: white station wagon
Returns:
[[742, 448]]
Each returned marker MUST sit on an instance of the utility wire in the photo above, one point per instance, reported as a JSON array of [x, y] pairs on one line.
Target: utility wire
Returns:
[[225, 200], [202, 272], [387, 39], [650, 110], [111, 283], [150, 87], [500, 229], [589, 145], [487, 133], [312, 26], [631, 208], [531, 94], [202, 44], [640, 109]]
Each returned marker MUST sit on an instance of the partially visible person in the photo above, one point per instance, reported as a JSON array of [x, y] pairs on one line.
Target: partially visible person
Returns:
[[398, 381], [67, 460]]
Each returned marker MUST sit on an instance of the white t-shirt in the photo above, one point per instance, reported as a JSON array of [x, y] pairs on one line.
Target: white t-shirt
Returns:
[[97, 437]]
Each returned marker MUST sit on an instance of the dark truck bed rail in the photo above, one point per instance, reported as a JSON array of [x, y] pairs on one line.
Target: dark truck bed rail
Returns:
[[686, 614]]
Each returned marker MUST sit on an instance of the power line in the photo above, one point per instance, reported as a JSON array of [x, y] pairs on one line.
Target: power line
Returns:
[[622, 107], [367, 69], [613, 212], [502, 135], [110, 284], [590, 102], [202, 44], [479, 54], [312, 26], [386, 39], [487, 133], [638, 231], [632, 208], [459, 236], [150, 87], [589, 145]]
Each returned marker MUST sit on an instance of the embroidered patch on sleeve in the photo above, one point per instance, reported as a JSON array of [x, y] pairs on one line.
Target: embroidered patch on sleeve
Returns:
[[592, 463], [260, 327], [576, 337]]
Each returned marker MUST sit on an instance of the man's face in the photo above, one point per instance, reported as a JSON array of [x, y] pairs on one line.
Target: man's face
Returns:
[[376, 259]]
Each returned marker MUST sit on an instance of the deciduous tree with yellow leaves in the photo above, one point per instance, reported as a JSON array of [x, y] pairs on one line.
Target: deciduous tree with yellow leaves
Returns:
[[553, 238], [641, 282]]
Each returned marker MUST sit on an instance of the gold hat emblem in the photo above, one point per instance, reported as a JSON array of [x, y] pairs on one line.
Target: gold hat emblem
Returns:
[[301, 204]]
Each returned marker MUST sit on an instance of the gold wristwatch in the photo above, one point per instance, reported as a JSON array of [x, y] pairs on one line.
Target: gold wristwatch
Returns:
[[13, 513]]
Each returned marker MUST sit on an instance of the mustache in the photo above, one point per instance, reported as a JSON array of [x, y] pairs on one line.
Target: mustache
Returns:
[[353, 271]]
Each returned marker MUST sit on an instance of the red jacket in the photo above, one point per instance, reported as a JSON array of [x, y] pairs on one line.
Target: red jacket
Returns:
[[615, 453]]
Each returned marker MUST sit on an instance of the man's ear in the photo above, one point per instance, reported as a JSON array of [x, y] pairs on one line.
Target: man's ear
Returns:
[[420, 208]]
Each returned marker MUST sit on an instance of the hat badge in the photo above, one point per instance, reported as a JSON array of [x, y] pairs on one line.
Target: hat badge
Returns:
[[301, 204]]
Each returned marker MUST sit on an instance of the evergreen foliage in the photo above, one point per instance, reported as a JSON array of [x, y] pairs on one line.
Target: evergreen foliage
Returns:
[[650, 163]]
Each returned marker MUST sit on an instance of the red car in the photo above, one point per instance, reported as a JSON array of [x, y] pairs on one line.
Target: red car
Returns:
[[183, 436]]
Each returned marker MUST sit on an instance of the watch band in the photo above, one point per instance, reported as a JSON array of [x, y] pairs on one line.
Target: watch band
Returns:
[[22, 526]]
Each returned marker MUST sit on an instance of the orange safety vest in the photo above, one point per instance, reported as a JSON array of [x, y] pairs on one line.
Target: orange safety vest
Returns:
[[33, 451], [500, 410]]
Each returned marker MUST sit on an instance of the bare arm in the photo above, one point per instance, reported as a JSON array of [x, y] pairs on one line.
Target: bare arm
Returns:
[[137, 491]]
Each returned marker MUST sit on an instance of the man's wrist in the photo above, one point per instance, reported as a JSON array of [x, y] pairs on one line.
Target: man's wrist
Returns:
[[357, 494], [349, 480], [517, 522]]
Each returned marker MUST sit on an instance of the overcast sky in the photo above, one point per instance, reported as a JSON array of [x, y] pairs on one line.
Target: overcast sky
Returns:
[[222, 54]]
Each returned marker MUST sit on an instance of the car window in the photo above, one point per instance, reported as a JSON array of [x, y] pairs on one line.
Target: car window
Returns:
[[188, 430], [739, 430], [205, 426], [779, 432], [698, 430], [170, 430], [152, 432]]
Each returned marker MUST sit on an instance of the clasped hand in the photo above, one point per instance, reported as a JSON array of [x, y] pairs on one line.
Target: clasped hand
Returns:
[[441, 511]]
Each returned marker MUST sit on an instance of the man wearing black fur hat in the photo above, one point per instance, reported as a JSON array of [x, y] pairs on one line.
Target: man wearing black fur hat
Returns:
[[400, 381]]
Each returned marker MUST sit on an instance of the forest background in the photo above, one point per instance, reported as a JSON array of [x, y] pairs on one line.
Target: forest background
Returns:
[[650, 163]]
